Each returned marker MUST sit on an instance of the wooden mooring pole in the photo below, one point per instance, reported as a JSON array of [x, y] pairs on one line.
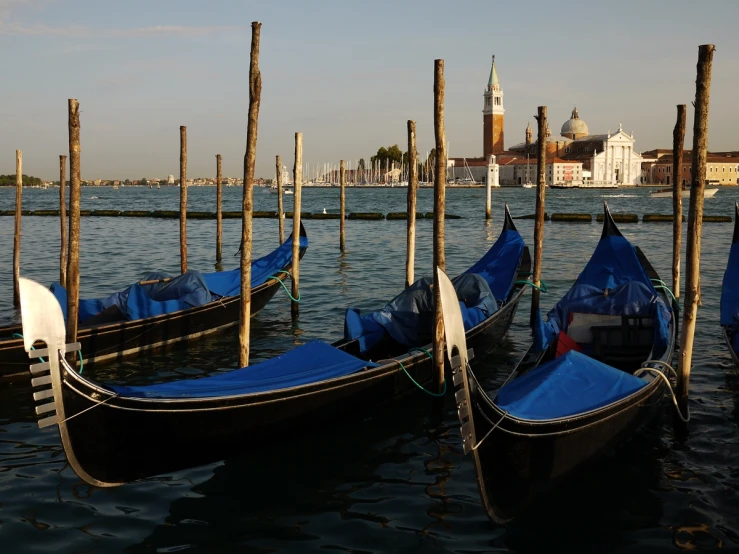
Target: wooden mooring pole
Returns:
[[280, 208], [183, 199], [541, 183], [73, 257], [17, 238], [678, 140], [439, 201], [695, 221], [342, 222], [219, 212], [255, 94], [297, 185], [63, 220], [411, 205]]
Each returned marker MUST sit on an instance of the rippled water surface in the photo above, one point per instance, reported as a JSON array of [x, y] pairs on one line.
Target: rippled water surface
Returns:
[[393, 479]]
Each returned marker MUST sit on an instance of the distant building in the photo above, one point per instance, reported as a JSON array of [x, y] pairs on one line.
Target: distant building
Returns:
[[722, 168], [170, 180]]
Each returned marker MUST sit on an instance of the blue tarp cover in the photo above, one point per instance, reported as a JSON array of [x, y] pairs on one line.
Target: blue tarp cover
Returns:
[[612, 283], [408, 318], [569, 385], [228, 283], [181, 292], [310, 363]]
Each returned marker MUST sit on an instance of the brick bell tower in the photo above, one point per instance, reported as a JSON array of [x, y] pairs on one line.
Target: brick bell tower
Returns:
[[493, 116]]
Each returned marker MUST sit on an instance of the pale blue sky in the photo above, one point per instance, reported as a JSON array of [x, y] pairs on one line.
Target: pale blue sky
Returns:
[[348, 74]]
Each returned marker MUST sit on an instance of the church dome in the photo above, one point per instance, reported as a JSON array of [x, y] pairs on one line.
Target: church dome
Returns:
[[574, 127]]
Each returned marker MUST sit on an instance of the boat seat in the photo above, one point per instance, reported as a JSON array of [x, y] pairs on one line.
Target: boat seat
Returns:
[[625, 346]]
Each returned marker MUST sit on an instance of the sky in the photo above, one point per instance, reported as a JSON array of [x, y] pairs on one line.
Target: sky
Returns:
[[348, 74]]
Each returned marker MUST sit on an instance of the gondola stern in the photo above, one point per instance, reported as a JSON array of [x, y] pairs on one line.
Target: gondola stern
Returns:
[[609, 226], [735, 238]]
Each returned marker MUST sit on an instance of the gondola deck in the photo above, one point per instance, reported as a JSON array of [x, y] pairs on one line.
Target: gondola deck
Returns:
[[730, 296]]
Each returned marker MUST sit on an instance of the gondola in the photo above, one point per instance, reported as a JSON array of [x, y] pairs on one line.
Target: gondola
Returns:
[[117, 434], [730, 295], [595, 373], [103, 340]]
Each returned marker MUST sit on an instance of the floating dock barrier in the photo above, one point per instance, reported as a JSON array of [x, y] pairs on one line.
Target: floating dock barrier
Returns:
[[658, 218], [135, 213], [531, 216], [403, 215], [105, 213], [366, 215], [620, 218], [572, 218]]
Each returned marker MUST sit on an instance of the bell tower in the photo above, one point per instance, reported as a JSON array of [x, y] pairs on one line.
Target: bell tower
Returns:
[[493, 116]]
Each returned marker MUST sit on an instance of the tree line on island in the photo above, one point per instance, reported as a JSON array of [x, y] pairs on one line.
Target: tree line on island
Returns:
[[9, 180]]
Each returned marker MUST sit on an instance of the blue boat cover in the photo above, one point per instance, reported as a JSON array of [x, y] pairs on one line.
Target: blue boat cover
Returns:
[[566, 386], [228, 283], [310, 363], [408, 318], [612, 283], [180, 292]]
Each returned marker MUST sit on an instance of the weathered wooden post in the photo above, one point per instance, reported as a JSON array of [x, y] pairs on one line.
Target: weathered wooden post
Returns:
[[488, 199], [541, 183], [183, 199], [297, 185], [219, 212], [678, 139], [342, 183], [18, 215], [439, 201], [695, 221], [73, 257], [255, 94], [280, 209], [63, 220], [411, 205]]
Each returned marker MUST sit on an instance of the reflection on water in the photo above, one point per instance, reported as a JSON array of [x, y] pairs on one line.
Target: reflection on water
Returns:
[[392, 479]]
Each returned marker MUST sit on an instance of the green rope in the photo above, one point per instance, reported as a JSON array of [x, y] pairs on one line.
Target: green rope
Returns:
[[437, 395], [296, 300], [660, 284], [542, 287], [79, 352]]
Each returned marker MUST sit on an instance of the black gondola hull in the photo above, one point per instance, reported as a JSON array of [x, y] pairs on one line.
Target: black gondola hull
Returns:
[[520, 461], [115, 341]]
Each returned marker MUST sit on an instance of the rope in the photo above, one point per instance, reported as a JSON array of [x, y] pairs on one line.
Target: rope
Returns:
[[296, 300], [660, 284], [79, 352], [437, 395], [475, 447], [542, 287], [87, 409], [669, 386]]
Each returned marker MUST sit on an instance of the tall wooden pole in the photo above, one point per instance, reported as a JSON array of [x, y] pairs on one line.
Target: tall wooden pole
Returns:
[[488, 199], [541, 183], [255, 94], [695, 220], [17, 241], [439, 200], [342, 183], [219, 212], [63, 220], [73, 258], [678, 140], [183, 199], [297, 185], [411, 206], [280, 209]]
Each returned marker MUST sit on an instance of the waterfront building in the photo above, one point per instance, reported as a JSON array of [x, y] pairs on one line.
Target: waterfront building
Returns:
[[722, 168]]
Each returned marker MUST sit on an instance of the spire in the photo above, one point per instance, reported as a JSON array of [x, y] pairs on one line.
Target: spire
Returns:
[[493, 80], [529, 134]]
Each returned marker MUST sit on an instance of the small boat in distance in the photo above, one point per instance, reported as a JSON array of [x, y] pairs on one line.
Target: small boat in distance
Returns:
[[730, 295], [685, 193], [595, 373], [528, 185]]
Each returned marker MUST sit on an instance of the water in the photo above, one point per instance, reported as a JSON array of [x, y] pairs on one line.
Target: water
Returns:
[[393, 479]]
